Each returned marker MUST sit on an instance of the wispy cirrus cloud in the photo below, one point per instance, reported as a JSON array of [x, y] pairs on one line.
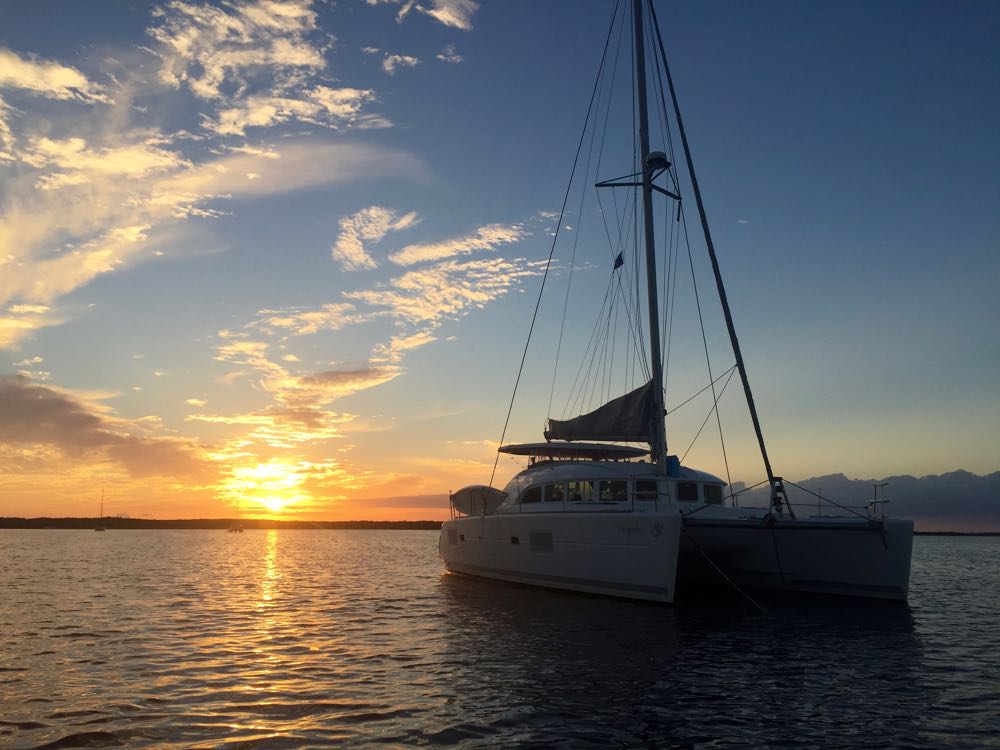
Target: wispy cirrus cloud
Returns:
[[74, 218], [455, 13], [370, 224], [259, 63], [449, 55], [46, 78], [390, 63], [212, 49], [300, 321], [488, 237], [429, 295]]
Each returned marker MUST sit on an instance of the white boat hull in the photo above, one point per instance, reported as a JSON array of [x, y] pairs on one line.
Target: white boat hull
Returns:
[[631, 555], [853, 557]]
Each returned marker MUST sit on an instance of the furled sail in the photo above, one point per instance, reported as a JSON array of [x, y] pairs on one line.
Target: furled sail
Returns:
[[626, 418]]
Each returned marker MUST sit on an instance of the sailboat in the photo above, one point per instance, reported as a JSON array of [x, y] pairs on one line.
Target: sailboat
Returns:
[[236, 527], [100, 525], [590, 513]]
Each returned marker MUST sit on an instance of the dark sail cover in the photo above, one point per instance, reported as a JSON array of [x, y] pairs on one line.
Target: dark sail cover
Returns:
[[627, 418]]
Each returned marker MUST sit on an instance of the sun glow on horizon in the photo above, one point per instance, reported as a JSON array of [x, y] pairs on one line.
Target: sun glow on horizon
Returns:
[[274, 485]]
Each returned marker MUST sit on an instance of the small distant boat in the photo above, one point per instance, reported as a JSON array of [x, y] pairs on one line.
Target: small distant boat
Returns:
[[236, 527], [100, 526]]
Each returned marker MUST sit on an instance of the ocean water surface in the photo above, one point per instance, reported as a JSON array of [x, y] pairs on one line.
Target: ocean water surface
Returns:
[[288, 639]]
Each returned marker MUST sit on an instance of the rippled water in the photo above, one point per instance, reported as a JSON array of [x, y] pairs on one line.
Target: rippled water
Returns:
[[281, 639]]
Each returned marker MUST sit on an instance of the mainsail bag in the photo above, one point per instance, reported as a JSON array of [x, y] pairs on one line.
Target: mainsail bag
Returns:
[[626, 418]]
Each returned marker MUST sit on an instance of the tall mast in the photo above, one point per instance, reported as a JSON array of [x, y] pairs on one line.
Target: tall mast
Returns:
[[658, 445], [711, 254]]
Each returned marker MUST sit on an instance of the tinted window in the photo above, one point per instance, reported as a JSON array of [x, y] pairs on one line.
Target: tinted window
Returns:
[[713, 493], [615, 490], [645, 489], [532, 495], [687, 492], [580, 491], [554, 493]]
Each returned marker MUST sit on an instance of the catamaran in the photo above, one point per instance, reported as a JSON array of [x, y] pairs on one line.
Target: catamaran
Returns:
[[593, 512]]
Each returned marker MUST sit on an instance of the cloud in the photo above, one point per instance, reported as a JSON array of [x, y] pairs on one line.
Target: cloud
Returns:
[[20, 321], [6, 134], [447, 289], [370, 224], [449, 55], [321, 106], [455, 13], [259, 63], [53, 241], [71, 162], [41, 415], [297, 321], [211, 48], [488, 237], [330, 384], [46, 78], [391, 62]]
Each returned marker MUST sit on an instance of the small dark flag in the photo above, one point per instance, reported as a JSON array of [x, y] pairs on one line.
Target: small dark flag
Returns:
[[619, 262]]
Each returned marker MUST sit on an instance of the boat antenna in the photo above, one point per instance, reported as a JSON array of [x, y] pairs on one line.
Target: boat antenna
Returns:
[[711, 254], [658, 443]]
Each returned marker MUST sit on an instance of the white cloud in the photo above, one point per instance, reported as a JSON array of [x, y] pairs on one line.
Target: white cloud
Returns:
[[45, 78], [209, 48], [370, 224], [55, 241], [449, 55], [321, 106], [455, 13], [391, 62], [258, 63], [431, 294], [303, 322], [6, 134], [488, 237], [78, 164]]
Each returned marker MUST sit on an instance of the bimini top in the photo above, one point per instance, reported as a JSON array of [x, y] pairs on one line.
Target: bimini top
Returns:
[[566, 449]]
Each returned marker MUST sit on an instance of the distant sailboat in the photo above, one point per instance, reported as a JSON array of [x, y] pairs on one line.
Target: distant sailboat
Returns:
[[100, 524], [236, 527]]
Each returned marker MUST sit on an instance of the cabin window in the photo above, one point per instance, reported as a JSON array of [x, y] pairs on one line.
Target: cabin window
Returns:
[[713, 494], [532, 495], [646, 489], [580, 492], [554, 493], [613, 491], [687, 492]]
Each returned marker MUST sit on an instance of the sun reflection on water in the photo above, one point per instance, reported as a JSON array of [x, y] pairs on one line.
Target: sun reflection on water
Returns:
[[271, 574]]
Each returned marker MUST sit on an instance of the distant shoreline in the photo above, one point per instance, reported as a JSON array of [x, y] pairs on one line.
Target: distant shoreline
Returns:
[[206, 523], [260, 523]]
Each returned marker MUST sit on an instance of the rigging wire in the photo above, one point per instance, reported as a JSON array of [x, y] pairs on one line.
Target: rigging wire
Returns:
[[715, 408], [583, 195], [688, 400], [708, 360], [555, 238]]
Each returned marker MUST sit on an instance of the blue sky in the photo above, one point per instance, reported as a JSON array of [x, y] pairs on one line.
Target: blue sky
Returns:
[[289, 251]]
